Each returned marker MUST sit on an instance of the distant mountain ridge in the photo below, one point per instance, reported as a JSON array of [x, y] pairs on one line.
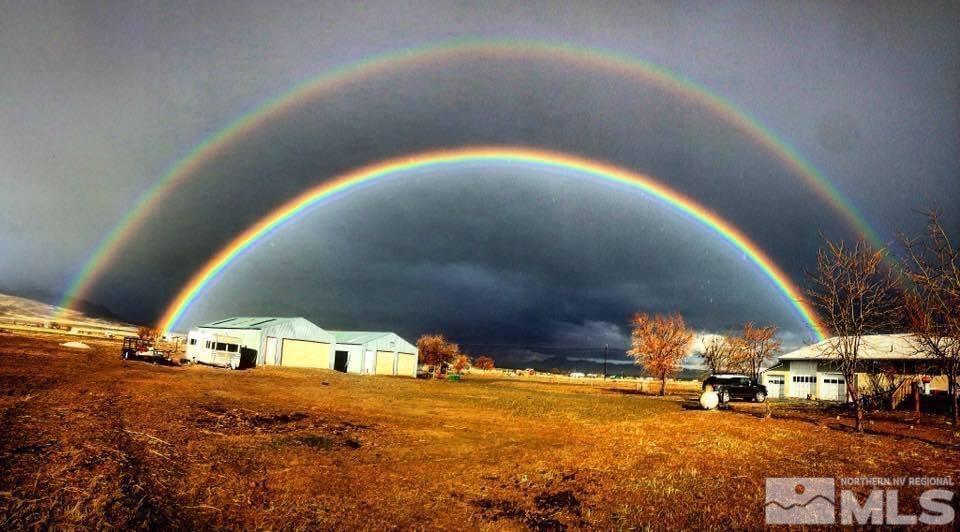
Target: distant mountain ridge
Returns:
[[12, 307], [565, 366]]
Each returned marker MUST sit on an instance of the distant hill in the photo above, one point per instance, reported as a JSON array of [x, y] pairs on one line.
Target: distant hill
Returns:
[[16, 307]]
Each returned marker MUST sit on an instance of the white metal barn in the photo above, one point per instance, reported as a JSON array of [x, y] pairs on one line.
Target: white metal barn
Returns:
[[294, 342], [374, 353]]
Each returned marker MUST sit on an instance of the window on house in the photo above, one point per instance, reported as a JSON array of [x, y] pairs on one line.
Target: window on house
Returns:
[[193, 341], [232, 348], [221, 346]]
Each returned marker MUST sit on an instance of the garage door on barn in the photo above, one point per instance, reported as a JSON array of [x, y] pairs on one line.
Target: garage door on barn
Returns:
[[833, 388], [406, 364], [305, 354], [802, 386], [775, 386], [384, 363]]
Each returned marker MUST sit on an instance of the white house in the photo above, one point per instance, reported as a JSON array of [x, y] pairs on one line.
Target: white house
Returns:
[[811, 372]]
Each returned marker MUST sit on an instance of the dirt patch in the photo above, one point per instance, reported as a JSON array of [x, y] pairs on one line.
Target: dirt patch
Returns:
[[562, 500], [302, 429], [549, 506], [229, 420], [542, 519], [496, 509]]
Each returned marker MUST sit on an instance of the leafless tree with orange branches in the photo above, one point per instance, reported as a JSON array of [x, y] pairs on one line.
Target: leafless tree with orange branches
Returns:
[[723, 354], [933, 303], [856, 294], [760, 345]]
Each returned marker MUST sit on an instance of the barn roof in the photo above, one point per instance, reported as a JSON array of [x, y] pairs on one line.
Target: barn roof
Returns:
[[244, 322], [357, 337], [873, 347]]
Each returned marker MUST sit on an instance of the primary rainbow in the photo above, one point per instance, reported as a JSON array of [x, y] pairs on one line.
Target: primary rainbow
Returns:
[[369, 174], [628, 67]]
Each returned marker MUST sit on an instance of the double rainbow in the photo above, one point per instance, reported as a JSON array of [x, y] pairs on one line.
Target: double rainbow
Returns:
[[630, 68], [551, 160]]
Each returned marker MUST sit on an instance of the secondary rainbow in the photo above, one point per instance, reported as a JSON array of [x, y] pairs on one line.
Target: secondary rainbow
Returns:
[[327, 83], [370, 174]]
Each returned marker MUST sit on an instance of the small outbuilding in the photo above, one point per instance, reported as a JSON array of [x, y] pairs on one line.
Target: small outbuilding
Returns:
[[374, 353], [294, 342]]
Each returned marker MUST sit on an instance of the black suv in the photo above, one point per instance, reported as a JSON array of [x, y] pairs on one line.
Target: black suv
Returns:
[[733, 387]]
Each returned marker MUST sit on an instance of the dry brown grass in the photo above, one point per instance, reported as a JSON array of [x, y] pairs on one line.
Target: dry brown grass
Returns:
[[89, 440]]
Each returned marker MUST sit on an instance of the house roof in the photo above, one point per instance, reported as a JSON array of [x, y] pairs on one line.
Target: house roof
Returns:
[[357, 337], [245, 322], [873, 347]]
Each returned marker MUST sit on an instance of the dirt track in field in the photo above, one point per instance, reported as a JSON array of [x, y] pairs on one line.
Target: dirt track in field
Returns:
[[90, 440]]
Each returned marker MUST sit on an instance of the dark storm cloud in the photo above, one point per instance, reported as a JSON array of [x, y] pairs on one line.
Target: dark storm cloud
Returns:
[[100, 98]]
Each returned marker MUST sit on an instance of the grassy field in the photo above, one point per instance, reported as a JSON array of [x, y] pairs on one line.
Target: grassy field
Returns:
[[89, 439]]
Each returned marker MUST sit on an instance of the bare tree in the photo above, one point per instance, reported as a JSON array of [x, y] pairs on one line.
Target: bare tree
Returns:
[[723, 354], [760, 345], [856, 295], [933, 306], [659, 343]]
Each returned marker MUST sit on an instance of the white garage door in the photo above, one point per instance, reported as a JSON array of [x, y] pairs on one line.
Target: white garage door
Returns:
[[406, 364], [775, 386], [384, 363], [833, 388], [802, 385], [304, 354]]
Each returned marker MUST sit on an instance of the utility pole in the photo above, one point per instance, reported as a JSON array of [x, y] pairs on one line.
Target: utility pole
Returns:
[[605, 346]]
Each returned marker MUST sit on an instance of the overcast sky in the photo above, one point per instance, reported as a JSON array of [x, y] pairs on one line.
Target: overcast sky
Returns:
[[99, 98]]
